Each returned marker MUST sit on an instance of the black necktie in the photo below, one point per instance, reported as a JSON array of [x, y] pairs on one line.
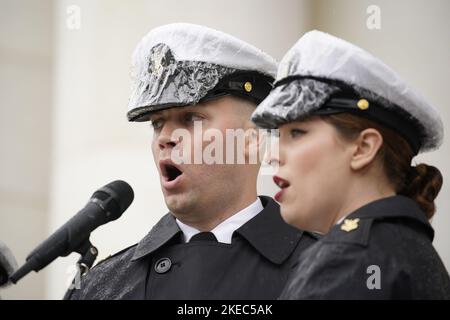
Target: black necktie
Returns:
[[204, 236]]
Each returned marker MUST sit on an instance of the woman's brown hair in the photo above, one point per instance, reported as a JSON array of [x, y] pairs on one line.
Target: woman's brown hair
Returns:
[[421, 183]]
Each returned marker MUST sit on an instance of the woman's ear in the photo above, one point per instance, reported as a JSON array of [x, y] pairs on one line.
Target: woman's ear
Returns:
[[366, 148]]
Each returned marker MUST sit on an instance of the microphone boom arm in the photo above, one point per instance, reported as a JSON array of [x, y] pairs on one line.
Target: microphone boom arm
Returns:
[[88, 255]]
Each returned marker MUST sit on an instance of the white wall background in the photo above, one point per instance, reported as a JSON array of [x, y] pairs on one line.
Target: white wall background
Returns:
[[26, 60], [64, 94]]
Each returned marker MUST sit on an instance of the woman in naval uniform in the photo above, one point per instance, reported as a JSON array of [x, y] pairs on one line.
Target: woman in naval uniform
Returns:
[[349, 128]]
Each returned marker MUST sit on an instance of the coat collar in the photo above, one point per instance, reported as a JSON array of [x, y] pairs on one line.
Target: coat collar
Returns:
[[161, 233], [267, 233], [395, 207]]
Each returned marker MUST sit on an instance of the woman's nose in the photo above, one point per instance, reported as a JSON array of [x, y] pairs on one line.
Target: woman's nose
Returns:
[[273, 160], [273, 156]]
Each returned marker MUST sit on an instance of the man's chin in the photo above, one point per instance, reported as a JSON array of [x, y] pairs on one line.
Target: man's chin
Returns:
[[178, 203]]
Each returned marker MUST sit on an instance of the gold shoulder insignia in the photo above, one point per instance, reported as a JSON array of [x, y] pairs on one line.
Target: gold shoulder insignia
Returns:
[[350, 224]]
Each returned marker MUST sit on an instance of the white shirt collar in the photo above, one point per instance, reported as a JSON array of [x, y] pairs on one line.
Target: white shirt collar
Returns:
[[340, 220], [224, 231]]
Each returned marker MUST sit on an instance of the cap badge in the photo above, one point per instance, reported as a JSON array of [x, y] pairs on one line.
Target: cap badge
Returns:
[[363, 104], [248, 86], [160, 57], [350, 224]]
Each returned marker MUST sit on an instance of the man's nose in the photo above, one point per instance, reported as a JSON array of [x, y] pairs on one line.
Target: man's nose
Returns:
[[168, 145], [166, 139]]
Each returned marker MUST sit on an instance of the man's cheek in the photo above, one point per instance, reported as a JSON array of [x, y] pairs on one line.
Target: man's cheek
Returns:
[[155, 151]]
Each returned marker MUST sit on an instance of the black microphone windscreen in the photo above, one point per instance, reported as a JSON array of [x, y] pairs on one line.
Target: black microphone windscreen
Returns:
[[121, 195], [124, 192]]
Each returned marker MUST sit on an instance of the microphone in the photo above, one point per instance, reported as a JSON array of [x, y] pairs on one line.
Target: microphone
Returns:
[[8, 265], [106, 204]]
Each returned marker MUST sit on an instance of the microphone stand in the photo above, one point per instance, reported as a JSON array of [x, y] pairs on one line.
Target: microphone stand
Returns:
[[88, 255]]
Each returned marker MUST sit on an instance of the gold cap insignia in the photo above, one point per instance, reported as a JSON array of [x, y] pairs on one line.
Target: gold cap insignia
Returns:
[[248, 86], [350, 224], [363, 104]]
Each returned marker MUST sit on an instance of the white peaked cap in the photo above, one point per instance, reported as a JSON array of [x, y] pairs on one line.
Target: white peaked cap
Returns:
[[178, 64], [321, 56], [198, 43]]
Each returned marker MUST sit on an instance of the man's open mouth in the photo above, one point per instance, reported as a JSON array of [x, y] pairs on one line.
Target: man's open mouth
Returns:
[[169, 171], [172, 172]]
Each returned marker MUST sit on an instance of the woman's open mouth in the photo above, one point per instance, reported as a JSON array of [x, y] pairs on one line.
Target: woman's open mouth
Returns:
[[282, 184]]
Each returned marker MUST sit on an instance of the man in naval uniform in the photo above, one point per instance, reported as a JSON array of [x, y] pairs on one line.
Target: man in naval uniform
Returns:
[[219, 240]]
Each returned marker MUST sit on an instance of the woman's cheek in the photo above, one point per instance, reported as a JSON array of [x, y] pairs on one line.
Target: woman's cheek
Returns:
[[306, 159]]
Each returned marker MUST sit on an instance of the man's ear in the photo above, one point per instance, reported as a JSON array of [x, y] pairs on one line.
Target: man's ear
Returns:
[[254, 140], [366, 148]]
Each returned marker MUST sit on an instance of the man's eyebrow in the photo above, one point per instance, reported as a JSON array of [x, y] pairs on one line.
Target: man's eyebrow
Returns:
[[155, 114]]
